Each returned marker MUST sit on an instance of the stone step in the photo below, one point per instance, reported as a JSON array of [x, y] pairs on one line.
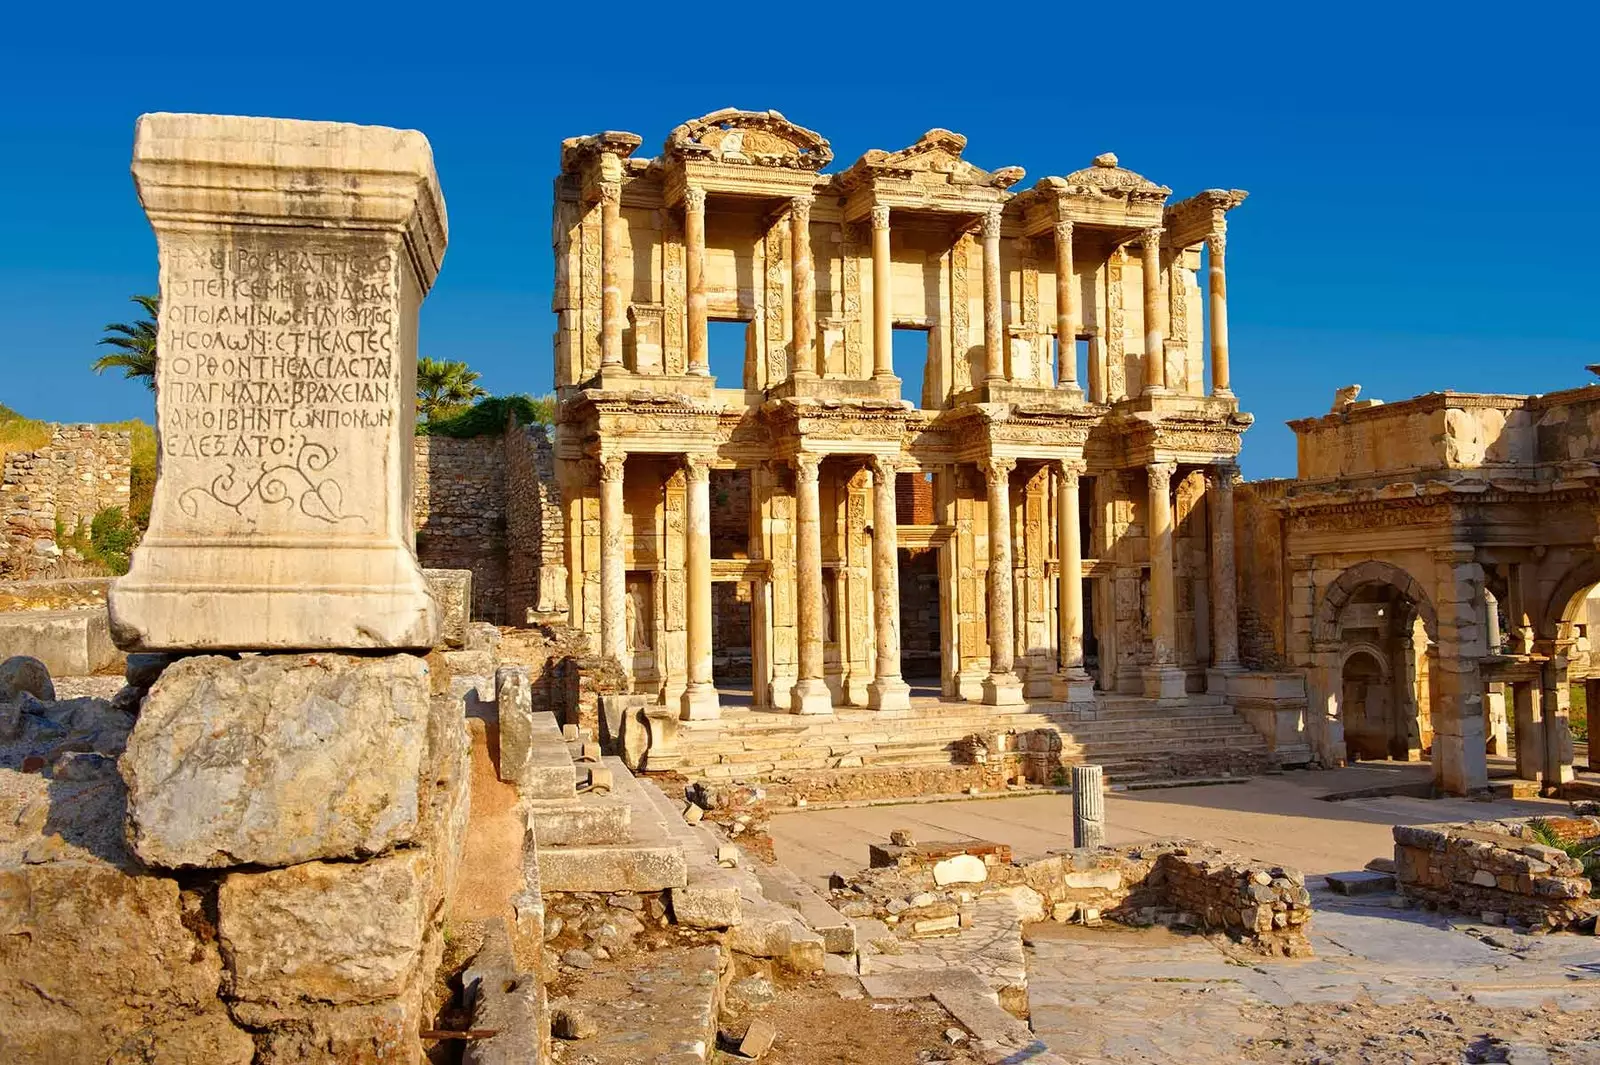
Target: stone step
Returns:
[[711, 895], [583, 819], [549, 773], [649, 860], [670, 1014]]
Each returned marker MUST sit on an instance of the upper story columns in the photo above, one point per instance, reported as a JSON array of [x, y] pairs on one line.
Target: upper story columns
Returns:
[[994, 338], [882, 297], [694, 268], [1155, 341], [805, 288]]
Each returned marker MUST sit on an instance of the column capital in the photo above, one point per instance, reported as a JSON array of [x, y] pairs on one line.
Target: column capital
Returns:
[[1070, 470], [694, 198], [806, 467], [801, 204], [991, 223], [1151, 237], [1223, 475], [880, 217], [884, 465], [1161, 474], [1217, 242], [610, 191], [611, 463], [697, 468], [996, 470], [1064, 230], [1455, 554]]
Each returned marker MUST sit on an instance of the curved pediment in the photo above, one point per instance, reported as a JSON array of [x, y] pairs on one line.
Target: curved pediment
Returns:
[[1106, 178], [749, 138], [935, 156]]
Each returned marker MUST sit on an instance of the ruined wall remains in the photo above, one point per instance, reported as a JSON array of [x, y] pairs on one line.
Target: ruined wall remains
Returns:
[[1483, 867], [536, 581], [1259, 569], [459, 512], [82, 471]]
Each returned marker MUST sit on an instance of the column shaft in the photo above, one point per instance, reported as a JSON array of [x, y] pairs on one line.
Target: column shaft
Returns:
[[1527, 729], [1558, 749], [1591, 696], [694, 236], [700, 698], [994, 341], [1001, 687], [1163, 680], [1224, 590], [1155, 356], [1072, 683], [882, 297], [888, 690], [1216, 251], [1066, 310], [810, 695], [610, 270], [805, 289], [613, 566]]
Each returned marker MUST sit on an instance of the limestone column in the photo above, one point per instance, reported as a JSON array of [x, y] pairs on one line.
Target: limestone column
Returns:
[[994, 341], [882, 298], [1155, 357], [888, 690], [1216, 251], [810, 694], [806, 363], [1072, 683], [1163, 680], [613, 566], [1527, 729], [1002, 686], [1460, 766], [700, 698], [1066, 311], [1558, 750], [1591, 694], [611, 310], [694, 236], [1224, 589]]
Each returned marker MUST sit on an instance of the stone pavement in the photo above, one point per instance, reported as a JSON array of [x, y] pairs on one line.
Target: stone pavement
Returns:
[[1113, 994], [1282, 819]]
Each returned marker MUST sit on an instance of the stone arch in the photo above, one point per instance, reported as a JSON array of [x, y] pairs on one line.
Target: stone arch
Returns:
[[1561, 610], [1374, 571], [1372, 651]]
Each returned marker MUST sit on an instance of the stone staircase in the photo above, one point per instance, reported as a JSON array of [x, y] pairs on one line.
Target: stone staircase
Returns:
[[1136, 740]]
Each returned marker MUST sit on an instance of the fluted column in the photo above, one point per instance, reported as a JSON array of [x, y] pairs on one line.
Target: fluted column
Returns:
[[611, 310], [1216, 252], [888, 689], [1224, 590], [882, 298], [1066, 311], [994, 341], [1163, 680], [810, 695], [700, 698], [1072, 683], [1001, 687], [694, 236], [805, 289], [1155, 356], [613, 566]]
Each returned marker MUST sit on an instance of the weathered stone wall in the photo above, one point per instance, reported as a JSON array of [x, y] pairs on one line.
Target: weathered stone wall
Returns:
[[1498, 867], [536, 581], [459, 512], [82, 471], [1259, 570]]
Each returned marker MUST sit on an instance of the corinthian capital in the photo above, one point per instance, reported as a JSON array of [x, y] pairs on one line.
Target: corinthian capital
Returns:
[[1064, 232], [694, 198], [883, 467], [1070, 470], [697, 468], [1151, 238], [995, 471], [880, 217], [1161, 475], [610, 192], [801, 206], [991, 223], [806, 467], [611, 463]]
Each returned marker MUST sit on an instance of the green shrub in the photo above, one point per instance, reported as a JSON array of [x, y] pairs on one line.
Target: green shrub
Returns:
[[1585, 851], [111, 539], [488, 416]]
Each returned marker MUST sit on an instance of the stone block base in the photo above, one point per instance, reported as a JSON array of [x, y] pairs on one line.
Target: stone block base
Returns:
[[70, 643], [892, 694], [1002, 689], [1073, 688], [1165, 683], [811, 697], [700, 703]]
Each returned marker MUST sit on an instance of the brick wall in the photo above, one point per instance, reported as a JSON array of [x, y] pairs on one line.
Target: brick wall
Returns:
[[1259, 562], [82, 471]]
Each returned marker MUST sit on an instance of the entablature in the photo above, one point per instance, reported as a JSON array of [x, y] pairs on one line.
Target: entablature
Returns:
[[1102, 195], [1191, 221], [929, 175]]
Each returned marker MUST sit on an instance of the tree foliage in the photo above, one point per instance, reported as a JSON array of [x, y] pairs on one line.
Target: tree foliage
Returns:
[[133, 345], [490, 415], [445, 388]]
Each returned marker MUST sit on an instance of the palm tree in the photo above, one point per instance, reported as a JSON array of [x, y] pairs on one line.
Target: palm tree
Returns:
[[135, 345], [444, 386]]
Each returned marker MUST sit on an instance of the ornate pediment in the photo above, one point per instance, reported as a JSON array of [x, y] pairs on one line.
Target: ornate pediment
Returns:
[[749, 138], [576, 150], [935, 158], [1105, 179]]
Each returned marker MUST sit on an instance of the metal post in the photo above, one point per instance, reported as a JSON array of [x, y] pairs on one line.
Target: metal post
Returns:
[[1088, 807]]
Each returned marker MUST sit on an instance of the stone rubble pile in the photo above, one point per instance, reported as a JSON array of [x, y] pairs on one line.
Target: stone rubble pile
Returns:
[[1500, 868]]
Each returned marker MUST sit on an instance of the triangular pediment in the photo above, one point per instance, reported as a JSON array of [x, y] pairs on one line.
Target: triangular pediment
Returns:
[[934, 157]]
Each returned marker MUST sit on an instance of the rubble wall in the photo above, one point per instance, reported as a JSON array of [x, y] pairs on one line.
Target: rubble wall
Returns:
[[458, 508], [82, 471], [1258, 538], [1499, 867], [536, 581]]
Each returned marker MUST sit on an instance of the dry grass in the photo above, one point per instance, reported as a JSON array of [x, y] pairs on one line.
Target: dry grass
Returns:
[[20, 434]]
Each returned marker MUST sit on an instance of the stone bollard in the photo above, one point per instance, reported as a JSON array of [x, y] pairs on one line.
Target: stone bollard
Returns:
[[1088, 807]]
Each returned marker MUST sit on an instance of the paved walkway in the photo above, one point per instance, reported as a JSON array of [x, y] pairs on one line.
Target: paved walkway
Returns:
[[1282, 819]]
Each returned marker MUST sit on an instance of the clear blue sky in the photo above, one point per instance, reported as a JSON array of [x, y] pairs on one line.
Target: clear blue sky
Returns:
[[1421, 213]]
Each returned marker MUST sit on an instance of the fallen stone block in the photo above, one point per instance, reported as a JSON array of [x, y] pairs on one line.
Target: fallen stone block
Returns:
[[961, 869], [706, 906], [758, 1038], [612, 867], [513, 698], [504, 1001], [452, 590], [276, 760], [1360, 883], [70, 643]]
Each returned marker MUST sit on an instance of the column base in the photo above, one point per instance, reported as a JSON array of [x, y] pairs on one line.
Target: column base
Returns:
[[890, 693], [1072, 392], [1217, 678], [700, 703], [1157, 390], [810, 696], [1072, 686], [1002, 689], [1166, 684]]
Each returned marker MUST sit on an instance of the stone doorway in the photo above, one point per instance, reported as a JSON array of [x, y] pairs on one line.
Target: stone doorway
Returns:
[[733, 641], [1368, 705], [921, 634]]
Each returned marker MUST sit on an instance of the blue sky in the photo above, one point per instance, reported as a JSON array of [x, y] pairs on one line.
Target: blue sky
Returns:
[[1421, 213]]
